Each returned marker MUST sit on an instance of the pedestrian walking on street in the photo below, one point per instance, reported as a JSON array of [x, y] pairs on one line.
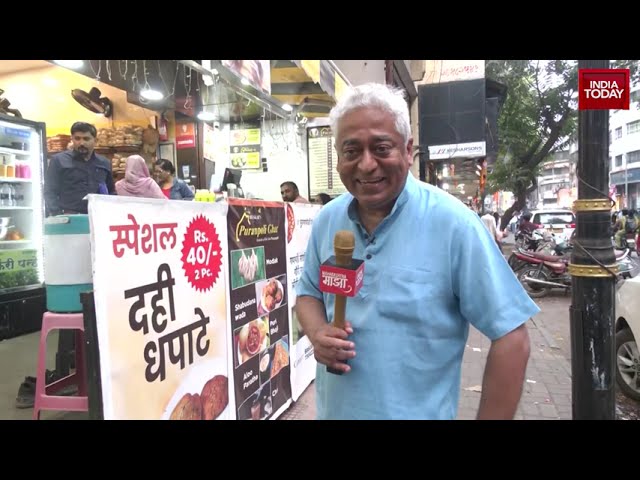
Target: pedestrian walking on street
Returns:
[[431, 269]]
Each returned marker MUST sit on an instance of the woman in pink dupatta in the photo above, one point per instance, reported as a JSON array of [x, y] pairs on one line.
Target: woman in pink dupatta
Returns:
[[137, 182]]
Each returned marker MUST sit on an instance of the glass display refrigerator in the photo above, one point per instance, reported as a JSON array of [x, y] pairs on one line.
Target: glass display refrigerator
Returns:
[[23, 153]]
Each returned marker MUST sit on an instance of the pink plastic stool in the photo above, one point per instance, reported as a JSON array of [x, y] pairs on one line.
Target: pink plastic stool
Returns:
[[46, 398]]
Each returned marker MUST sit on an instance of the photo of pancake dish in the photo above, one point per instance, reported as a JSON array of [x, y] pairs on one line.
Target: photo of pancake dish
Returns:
[[215, 397], [280, 359], [188, 408]]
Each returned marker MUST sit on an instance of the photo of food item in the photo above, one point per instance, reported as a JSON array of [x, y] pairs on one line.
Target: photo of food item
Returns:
[[266, 359], [251, 339], [215, 397], [188, 408], [238, 137], [247, 266], [238, 161], [258, 406], [280, 357], [270, 294], [291, 223], [203, 394], [256, 409], [267, 407]]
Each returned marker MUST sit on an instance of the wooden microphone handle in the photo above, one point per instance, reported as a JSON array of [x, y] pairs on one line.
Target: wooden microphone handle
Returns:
[[339, 310]]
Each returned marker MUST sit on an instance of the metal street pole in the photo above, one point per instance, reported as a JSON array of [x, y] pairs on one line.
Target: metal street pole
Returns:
[[626, 184], [592, 266]]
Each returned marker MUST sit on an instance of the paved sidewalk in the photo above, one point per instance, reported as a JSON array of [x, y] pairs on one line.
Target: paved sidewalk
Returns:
[[547, 389]]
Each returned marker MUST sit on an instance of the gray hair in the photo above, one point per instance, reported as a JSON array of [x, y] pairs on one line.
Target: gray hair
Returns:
[[385, 97]]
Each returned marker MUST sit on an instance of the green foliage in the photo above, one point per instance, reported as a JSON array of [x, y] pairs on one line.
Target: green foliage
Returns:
[[538, 118], [18, 278], [510, 177]]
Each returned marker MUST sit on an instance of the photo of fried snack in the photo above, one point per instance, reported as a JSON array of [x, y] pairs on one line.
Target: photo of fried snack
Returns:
[[280, 358], [272, 294], [188, 408], [215, 397]]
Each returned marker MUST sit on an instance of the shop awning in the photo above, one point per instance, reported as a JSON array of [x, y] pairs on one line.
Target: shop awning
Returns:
[[311, 86]]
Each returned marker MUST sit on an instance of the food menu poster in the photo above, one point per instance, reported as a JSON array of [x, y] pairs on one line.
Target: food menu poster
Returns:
[[323, 158], [300, 217], [244, 149], [160, 291], [258, 303]]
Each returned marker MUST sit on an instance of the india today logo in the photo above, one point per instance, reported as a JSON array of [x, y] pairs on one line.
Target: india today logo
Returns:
[[603, 89]]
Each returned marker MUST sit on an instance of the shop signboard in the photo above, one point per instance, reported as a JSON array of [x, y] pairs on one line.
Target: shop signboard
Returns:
[[323, 158], [160, 295], [299, 218], [632, 175], [185, 136], [18, 268], [244, 146], [208, 142], [256, 72], [259, 312], [194, 307]]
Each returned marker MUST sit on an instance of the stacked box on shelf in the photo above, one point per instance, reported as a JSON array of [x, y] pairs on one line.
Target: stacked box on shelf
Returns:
[[58, 143]]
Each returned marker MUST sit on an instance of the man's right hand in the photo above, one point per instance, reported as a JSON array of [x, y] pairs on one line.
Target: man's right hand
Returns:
[[331, 346]]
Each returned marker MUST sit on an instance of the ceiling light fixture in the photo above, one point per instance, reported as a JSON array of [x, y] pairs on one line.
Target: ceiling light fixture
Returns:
[[151, 94], [206, 116], [72, 64]]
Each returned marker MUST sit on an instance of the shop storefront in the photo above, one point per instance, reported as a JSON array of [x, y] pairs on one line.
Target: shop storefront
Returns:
[[627, 187], [41, 101], [261, 129], [225, 117]]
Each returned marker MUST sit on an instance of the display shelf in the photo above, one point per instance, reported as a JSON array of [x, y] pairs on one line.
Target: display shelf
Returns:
[[14, 151], [16, 208], [120, 148], [15, 180], [103, 150]]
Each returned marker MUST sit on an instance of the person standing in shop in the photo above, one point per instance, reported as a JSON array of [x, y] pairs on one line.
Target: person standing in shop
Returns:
[[322, 199], [75, 173], [290, 193], [71, 175], [172, 187], [137, 182]]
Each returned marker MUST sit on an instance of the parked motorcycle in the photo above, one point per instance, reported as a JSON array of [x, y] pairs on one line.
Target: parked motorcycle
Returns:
[[549, 242], [544, 272], [630, 241]]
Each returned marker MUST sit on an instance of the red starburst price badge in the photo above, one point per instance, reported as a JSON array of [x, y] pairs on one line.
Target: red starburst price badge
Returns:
[[201, 260]]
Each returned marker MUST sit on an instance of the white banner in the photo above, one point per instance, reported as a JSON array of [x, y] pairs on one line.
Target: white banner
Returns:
[[161, 308], [299, 219], [441, 71], [457, 150]]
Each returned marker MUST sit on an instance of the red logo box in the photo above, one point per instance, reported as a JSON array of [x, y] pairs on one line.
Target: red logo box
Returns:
[[603, 89], [345, 281]]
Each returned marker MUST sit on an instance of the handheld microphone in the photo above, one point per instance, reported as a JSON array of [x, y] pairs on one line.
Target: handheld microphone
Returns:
[[342, 276]]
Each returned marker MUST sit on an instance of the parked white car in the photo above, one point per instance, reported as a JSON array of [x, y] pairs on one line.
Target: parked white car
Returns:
[[628, 337], [558, 221]]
